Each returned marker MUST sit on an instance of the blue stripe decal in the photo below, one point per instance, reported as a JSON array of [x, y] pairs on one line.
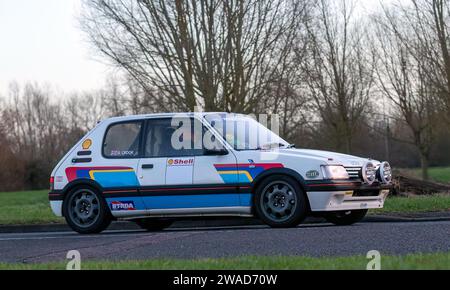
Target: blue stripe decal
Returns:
[[235, 178], [246, 199], [83, 174], [116, 179], [192, 201]]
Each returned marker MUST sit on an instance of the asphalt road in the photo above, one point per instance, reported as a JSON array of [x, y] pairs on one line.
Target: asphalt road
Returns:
[[307, 240]]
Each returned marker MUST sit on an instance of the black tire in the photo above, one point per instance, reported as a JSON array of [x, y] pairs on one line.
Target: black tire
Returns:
[[81, 217], [153, 225], [346, 218], [280, 202]]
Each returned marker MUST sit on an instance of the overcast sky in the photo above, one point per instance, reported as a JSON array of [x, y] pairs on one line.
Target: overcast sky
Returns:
[[40, 41]]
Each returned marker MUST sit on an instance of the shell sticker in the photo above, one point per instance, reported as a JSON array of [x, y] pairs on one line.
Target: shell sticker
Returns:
[[87, 144]]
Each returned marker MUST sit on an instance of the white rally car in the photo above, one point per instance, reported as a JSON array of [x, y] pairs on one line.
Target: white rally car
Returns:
[[154, 169]]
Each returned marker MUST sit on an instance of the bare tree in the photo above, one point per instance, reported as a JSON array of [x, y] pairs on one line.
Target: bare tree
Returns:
[[429, 22], [38, 131], [85, 109], [284, 93], [339, 71], [405, 58], [216, 54], [434, 15]]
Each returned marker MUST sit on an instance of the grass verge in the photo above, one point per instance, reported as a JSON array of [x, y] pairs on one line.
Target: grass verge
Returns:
[[439, 261], [438, 174], [26, 207], [416, 204]]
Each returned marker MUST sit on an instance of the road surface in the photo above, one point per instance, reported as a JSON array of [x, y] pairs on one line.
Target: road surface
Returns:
[[307, 240]]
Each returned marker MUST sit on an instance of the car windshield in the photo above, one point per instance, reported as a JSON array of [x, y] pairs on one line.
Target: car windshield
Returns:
[[244, 133]]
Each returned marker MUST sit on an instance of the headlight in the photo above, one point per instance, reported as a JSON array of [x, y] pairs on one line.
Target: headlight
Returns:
[[334, 172], [369, 173], [385, 172]]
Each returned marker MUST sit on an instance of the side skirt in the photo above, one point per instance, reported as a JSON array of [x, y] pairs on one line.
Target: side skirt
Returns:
[[238, 211]]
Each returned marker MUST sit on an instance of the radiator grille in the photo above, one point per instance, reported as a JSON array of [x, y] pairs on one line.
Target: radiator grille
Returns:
[[354, 172]]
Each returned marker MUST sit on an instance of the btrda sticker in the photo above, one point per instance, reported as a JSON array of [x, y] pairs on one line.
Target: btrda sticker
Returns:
[[122, 205]]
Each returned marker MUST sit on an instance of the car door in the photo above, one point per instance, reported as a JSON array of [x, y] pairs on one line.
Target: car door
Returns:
[[179, 178], [164, 171], [152, 166], [215, 171]]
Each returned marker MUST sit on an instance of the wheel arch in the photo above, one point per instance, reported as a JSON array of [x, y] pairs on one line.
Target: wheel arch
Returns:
[[82, 182], [282, 171]]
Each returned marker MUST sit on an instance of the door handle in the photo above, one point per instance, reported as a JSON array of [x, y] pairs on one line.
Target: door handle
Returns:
[[147, 166]]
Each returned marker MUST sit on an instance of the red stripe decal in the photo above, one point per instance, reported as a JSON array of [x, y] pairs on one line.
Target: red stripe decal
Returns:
[[266, 166], [188, 189], [119, 191]]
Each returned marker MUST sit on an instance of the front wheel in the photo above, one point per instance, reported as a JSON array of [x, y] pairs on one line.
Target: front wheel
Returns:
[[85, 211], [346, 218], [280, 202]]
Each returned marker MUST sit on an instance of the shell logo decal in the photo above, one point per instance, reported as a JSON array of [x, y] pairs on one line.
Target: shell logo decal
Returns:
[[181, 162], [87, 144]]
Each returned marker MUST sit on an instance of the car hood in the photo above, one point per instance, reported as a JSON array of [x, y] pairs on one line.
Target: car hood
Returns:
[[329, 157]]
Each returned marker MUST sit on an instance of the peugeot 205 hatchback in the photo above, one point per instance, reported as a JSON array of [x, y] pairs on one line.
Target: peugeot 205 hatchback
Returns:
[[154, 169]]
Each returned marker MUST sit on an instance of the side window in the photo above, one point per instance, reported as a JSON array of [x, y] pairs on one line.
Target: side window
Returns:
[[122, 140], [164, 139]]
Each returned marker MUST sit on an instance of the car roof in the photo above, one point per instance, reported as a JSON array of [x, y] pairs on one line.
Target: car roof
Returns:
[[162, 115]]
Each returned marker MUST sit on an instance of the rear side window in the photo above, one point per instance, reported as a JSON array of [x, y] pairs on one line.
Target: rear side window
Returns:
[[123, 140]]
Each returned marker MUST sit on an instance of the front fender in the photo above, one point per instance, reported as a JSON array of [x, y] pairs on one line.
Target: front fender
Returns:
[[280, 171]]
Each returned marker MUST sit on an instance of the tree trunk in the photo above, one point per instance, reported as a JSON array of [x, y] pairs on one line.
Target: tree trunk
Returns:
[[424, 160]]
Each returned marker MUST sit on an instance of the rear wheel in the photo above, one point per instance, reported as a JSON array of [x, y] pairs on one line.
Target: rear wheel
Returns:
[[280, 202], [346, 218], [153, 225], [85, 211]]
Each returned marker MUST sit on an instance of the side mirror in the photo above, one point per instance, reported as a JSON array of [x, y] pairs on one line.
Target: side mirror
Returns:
[[216, 152]]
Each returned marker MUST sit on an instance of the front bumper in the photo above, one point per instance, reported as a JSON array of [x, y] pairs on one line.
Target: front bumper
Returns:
[[344, 196]]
